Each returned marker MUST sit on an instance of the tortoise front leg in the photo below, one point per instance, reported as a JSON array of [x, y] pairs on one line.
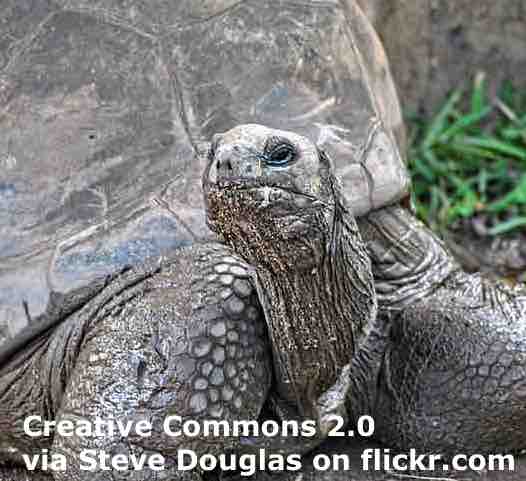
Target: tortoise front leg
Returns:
[[454, 372], [454, 377], [146, 363]]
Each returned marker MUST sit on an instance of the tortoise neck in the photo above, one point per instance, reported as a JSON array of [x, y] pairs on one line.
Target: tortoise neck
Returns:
[[317, 316], [409, 261]]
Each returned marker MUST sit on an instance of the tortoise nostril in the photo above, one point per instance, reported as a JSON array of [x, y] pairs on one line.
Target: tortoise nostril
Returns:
[[224, 165]]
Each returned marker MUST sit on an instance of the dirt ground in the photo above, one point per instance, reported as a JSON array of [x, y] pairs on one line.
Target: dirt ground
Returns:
[[436, 45]]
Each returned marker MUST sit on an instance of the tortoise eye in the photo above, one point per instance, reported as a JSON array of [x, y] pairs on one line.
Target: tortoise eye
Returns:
[[282, 154]]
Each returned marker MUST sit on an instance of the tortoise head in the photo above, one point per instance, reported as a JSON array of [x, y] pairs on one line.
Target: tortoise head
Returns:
[[272, 196]]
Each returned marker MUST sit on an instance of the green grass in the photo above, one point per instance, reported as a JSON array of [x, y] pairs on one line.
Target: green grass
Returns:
[[470, 157]]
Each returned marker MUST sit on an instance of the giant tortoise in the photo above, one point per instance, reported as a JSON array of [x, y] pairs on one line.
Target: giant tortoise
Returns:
[[107, 110]]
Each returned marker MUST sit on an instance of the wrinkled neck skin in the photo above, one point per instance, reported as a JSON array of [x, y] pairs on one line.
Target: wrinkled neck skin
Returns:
[[409, 262], [317, 316]]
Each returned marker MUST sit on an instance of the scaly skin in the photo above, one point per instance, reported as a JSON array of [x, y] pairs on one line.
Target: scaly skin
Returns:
[[187, 339], [453, 374]]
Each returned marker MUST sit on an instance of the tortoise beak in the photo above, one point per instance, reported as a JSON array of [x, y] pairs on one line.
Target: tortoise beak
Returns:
[[232, 164]]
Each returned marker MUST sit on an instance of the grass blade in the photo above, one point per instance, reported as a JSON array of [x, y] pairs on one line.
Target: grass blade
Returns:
[[497, 145], [440, 121], [478, 97], [464, 123], [508, 226]]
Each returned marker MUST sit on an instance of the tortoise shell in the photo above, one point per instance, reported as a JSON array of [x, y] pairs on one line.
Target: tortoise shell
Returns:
[[107, 107]]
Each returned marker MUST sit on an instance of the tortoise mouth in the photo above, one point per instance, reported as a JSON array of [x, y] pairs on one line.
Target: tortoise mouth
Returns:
[[252, 186], [258, 194], [238, 199]]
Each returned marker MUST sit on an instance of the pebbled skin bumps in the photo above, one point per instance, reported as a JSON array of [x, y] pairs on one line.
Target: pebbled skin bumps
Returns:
[[452, 356], [188, 340], [229, 355]]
